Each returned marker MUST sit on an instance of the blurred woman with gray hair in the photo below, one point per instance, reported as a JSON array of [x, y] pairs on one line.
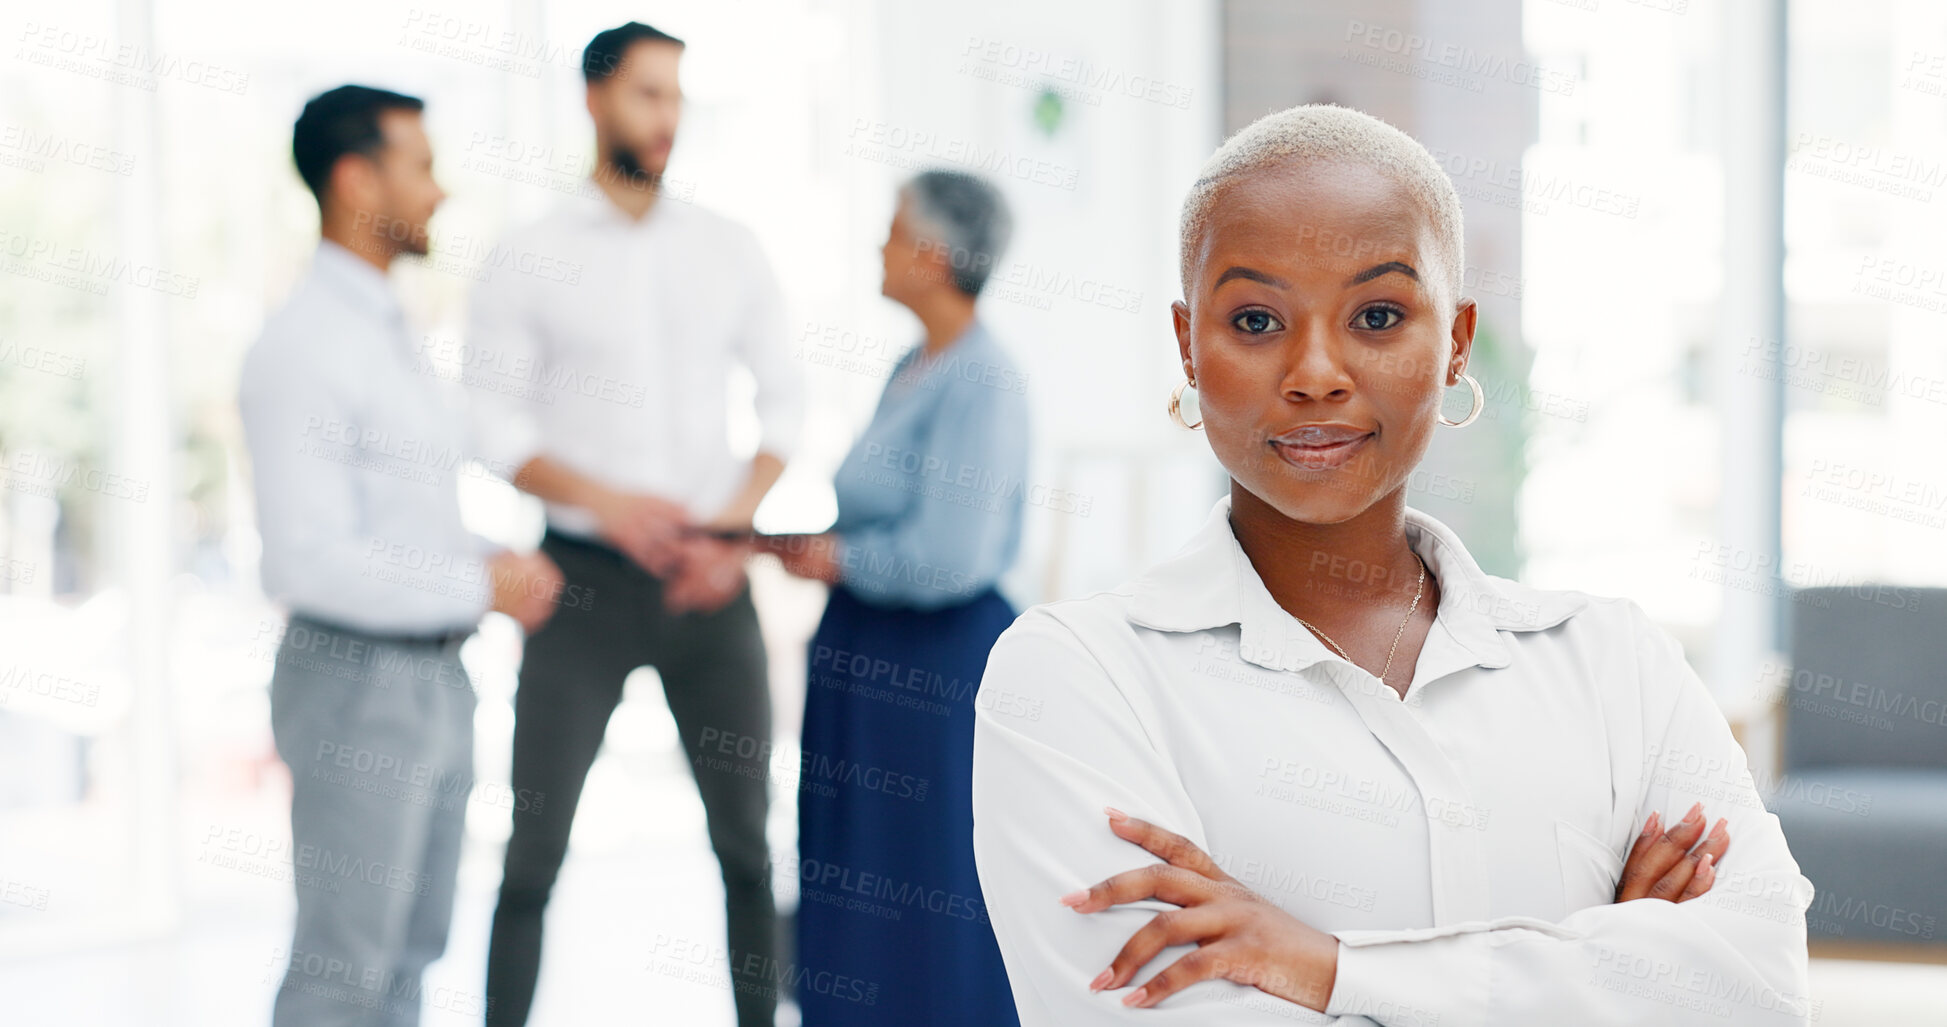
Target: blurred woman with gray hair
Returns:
[[891, 925]]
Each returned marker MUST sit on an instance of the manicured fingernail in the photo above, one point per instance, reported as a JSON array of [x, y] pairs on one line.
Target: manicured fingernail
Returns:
[[1101, 981], [1696, 813], [1719, 831], [1704, 865], [1135, 998], [1656, 821], [1115, 814], [1649, 828], [1075, 898]]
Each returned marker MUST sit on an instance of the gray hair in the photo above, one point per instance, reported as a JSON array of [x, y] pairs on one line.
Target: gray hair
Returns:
[[1328, 133], [964, 215]]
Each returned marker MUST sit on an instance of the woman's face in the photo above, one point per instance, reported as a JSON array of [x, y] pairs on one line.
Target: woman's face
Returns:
[[912, 266], [896, 254], [1320, 336]]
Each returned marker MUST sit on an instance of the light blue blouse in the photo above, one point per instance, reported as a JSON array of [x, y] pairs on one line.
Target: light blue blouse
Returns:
[[931, 496]]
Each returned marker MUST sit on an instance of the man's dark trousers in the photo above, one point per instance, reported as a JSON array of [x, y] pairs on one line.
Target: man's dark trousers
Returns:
[[713, 670]]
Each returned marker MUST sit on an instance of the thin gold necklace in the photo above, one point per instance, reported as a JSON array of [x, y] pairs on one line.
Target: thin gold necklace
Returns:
[[1418, 591]]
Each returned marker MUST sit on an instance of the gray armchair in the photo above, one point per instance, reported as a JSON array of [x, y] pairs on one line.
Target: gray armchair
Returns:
[[1863, 796]]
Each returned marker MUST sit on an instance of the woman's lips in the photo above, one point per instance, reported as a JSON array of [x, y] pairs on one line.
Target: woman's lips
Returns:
[[1320, 457]]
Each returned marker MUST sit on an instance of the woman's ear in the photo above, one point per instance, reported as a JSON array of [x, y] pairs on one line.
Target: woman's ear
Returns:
[[1180, 316], [1465, 316], [939, 260]]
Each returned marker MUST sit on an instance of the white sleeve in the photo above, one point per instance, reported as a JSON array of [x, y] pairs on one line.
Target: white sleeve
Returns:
[[1736, 955], [501, 335], [1055, 741], [316, 555], [764, 348]]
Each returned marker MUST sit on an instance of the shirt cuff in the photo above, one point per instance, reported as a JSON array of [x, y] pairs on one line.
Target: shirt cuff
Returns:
[[778, 443], [1408, 982], [842, 556], [506, 447]]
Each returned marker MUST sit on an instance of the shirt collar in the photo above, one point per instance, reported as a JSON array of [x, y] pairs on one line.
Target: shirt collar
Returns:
[[355, 279], [1210, 583], [590, 204]]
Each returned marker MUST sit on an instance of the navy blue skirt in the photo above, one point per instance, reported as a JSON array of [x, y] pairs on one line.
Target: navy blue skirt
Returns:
[[891, 925]]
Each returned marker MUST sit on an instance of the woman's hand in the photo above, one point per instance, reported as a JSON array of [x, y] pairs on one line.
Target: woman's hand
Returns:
[[1240, 935], [1662, 865], [806, 556]]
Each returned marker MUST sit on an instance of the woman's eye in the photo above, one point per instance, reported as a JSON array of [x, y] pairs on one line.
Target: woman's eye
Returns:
[[1256, 322], [1377, 318]]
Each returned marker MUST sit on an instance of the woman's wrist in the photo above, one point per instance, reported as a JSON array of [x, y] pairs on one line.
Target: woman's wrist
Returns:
[[1307, 972], [1321, 972]]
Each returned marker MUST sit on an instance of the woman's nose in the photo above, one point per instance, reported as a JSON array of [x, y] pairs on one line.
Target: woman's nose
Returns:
[[1317, 368]]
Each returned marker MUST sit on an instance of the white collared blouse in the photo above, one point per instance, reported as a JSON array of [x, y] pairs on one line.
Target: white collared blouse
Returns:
[[1463, 843]]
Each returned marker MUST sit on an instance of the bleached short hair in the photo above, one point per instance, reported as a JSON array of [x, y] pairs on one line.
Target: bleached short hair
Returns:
[[1327, 133]]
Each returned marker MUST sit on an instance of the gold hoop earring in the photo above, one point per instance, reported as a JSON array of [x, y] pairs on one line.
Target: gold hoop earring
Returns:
[[1480, 403], [1176, 406]]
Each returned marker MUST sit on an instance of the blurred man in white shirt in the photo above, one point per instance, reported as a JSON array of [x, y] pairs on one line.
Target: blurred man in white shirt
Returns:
[[354, 456], [606, 390]]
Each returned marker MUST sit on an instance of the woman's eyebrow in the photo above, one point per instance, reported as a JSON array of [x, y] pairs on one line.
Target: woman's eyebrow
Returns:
[[1374, 272], [1251, 274]]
